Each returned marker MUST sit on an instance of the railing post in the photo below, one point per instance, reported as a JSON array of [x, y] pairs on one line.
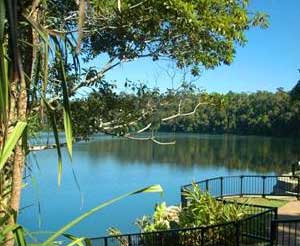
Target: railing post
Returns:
[[276, 213], [273, 235], [206, 185], [241, 185], [182, 197], [105, 241], [237, 232], [129, 240], [264, 186], [221, 186], [298, 189], [294, 170]]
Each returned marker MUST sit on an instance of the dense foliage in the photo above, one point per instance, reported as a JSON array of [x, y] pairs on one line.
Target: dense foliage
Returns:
[[259, 113], [201, 210], [43, 44], [191, 32]]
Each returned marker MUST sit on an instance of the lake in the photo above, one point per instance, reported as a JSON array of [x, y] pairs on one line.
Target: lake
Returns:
[[106, 167]]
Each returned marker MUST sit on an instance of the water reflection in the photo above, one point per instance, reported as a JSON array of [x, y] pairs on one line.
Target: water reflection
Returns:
[[107, 167], [259, 154]]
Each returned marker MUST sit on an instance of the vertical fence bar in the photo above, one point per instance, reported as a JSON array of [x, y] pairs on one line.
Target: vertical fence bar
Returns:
[[294, 170], [237, 233], [275, 213], [264, 186], [298, 189], [221, 188], [105, 241], [129, 240], [206, 185], [273, 233], [241, 185]]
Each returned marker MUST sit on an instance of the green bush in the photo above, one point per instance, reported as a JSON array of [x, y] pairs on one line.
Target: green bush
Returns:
[[201, 210], [163, 218]]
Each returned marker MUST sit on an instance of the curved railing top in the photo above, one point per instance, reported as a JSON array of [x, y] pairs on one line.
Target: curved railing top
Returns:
[[200, 236], [263, 185], [220, 187]]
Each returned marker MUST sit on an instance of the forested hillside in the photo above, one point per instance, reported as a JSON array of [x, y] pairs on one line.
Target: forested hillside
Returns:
[[188, 110], [260, 113]]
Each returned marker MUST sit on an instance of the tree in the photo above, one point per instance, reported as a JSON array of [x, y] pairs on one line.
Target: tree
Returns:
[[295, 92], [34, 34]]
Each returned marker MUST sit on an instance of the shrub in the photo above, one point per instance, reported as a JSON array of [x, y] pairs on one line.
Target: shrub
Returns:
[[203, 210], [163, 218]]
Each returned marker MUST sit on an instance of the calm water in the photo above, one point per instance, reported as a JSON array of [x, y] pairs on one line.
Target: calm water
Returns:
[[107, 167]]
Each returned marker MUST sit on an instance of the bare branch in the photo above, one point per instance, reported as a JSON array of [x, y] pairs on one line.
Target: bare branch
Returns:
[[144, 129], [100, 74], [108, 66], [183, 114], [108, 129], [152, 139]]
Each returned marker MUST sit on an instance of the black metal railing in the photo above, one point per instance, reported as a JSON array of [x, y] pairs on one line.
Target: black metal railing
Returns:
[[253, 228], [260, 225], [285, 232], [248, 185]]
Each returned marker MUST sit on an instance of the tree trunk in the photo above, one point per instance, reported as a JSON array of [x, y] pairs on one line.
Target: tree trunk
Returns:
[[18, 112], [17, 177]]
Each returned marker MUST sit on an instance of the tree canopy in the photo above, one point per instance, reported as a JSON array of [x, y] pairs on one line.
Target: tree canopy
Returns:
[[43, 45], [191, 32], [259, 113]]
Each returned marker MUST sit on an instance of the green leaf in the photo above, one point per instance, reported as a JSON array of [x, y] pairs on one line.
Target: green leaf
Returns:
[[3, 84], [3, 67], [75, 240], [53, 123], [20, 236], [68, 130], [9, 228], [40, 30], [11, 142], [50, 240], [66, 104], [57, 143], [2, 20]]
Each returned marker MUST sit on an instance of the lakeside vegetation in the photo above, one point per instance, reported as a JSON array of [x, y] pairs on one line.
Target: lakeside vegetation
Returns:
[[202, 210], [259, 113], [44, 43]]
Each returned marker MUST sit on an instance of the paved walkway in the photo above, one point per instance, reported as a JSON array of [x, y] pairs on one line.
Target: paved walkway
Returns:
[[291, 210], [289, 234]]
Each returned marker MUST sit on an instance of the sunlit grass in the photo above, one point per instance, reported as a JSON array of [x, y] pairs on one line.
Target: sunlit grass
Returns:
[[269, 202]]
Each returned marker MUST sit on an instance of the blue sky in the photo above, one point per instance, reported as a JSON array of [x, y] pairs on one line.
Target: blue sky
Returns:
[[269, 60]]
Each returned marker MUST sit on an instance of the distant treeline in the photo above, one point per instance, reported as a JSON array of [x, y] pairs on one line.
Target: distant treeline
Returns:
[[260, 113]]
